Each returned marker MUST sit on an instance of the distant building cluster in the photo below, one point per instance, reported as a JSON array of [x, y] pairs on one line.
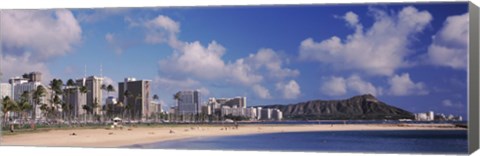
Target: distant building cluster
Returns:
[[430, 116], [131, 92], [189, 102]]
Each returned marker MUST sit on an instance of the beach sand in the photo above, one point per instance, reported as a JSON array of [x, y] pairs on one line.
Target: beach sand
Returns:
[[142, 135]]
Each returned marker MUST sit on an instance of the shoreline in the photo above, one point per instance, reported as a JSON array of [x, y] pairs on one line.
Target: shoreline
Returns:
[[130, 136]]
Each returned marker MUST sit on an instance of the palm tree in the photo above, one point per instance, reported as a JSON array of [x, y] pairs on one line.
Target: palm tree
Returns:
[[57, 102], [176, 97], [109, 89], [138, 97], [37, 95], [94, 107], [120, 105], [24, 106], [83, 91], [66, 105], [86, 109], [44, 108], [127, 107], [8, 105], [56, 86]]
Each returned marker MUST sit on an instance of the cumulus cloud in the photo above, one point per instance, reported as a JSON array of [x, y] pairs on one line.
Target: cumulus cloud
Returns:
[[450, 103], [162, 29], [402, 85], [380, 50], [449, 46], [15, 66], [30, 38], [336, 86], [205, 62], [351, 18], [272, 62], [290, 90], [261, 92], [44, 34]]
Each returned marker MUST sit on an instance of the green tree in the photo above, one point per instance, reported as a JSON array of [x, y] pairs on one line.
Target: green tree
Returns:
[[24, 106], [8, 105], [83, 91], [37, 95], [67, 107], [57, 87], [110, 108], [86, 109]]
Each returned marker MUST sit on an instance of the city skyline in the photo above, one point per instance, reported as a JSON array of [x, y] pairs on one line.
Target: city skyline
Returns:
[[255, 51]]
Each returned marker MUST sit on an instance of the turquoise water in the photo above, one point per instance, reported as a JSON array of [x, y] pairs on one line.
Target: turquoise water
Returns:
[[403, 141]]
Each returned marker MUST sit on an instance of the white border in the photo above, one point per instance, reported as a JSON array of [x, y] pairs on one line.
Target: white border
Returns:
[[48, 4]]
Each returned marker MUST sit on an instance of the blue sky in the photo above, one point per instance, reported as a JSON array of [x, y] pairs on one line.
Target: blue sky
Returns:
[[411, 56]]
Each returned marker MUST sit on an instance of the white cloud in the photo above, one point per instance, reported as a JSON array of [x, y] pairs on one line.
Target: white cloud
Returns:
[[360, 86], [30, 38], [204, 91], [18, 65], [175, 84], [336, 86], [449, 47], [290, 90], [261, 92], [162, 29], [205, 62], [193, 58], [272, 62], [351, 18], [402, 85], [449, 103], [45, 34], [378, 51]]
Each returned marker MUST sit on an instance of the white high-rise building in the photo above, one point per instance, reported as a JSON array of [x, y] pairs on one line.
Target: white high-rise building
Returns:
[[76, 99], [6, 90], [19, 85], [94, 91]]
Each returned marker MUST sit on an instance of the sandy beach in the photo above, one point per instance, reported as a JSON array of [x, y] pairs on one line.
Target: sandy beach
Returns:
[[141, 135]]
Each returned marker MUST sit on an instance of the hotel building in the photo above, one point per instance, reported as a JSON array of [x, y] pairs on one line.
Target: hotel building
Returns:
[[189, 102], [138, 97]]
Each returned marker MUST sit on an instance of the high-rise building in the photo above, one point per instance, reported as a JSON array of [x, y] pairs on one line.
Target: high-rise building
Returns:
[[135, 93], [34, 77], [76, 99], [94, 92], [266, 114], [259, 112], [28, 83], [216, 103], [189, 102], [5, 90], [155, 107], [277, 114]]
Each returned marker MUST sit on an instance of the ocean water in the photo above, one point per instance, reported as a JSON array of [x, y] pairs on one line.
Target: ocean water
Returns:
[[402, 141]]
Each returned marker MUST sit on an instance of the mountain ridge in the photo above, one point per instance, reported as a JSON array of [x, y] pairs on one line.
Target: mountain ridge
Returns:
[[360, 107]]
